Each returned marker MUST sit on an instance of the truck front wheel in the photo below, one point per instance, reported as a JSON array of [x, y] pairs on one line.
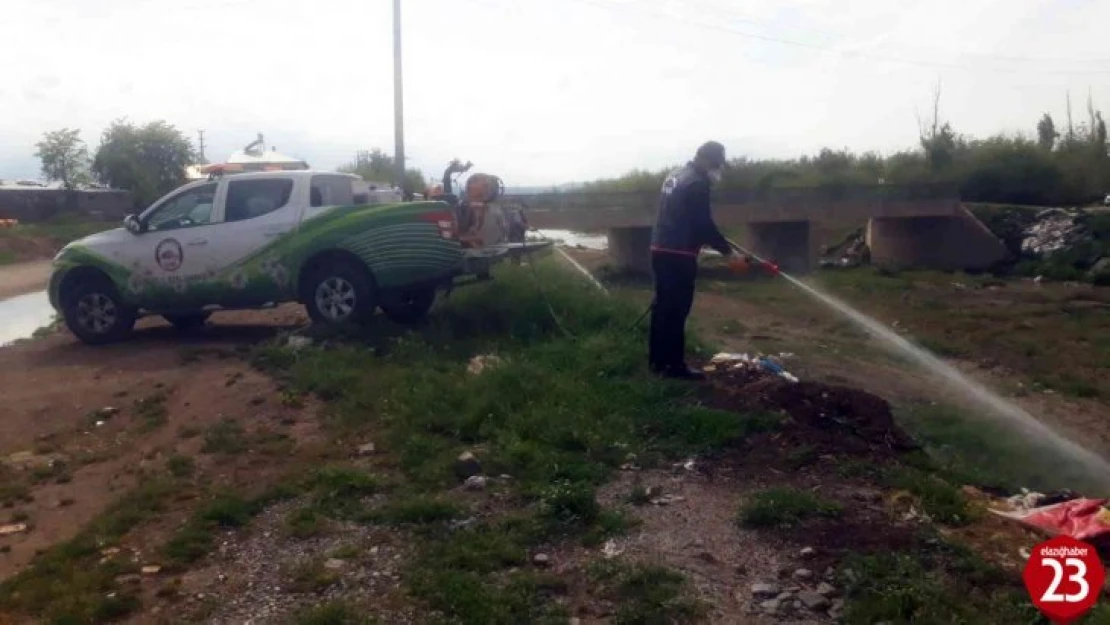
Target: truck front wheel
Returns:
[[339, 291], [407, 306], [95, 313]]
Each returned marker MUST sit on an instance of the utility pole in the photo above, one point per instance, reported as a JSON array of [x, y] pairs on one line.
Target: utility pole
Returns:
[[398, 99], [203, 161]]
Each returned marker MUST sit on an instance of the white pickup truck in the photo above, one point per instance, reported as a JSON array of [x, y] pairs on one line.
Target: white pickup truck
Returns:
[[258, 239]]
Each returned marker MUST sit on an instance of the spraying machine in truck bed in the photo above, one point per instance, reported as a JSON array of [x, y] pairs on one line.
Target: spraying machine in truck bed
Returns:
[[482, 194]]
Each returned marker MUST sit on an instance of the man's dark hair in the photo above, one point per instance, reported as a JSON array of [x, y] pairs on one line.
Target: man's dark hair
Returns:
[[712, 153]]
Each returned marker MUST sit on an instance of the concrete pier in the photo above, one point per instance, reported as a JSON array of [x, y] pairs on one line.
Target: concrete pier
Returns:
[[946, 243], [630, 248]]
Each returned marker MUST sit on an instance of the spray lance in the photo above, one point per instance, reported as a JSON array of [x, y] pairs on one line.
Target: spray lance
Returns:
[[746, 257]]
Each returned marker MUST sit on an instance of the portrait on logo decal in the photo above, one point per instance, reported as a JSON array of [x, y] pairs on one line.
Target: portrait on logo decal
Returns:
[[169, 255]]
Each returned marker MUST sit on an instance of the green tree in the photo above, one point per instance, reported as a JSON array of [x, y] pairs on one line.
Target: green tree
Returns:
[[377, 166], [148, 160], [64, 157], [1046, 133]]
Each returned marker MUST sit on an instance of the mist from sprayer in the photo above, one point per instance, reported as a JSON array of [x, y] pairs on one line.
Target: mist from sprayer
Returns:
[[991, 402]]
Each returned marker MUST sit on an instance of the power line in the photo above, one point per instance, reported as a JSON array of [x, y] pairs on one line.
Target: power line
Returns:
[[671, 18], [743, 17], [849, 53]]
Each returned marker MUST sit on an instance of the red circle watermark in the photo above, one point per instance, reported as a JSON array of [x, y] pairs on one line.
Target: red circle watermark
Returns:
[[1064, 577]]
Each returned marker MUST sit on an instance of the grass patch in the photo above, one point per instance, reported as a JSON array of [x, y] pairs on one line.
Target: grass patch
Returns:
[[70, 582], [56, 471], [197, 536], [304, 523], [152, 411], [944, 584], [337, 491], [646, 594], [311, 576], [180, 466], [415, 510], [272, 443], [942, 501], [559, 415], [968, 449], [785, 507], [471, 599], [225, 437], [333, 613]]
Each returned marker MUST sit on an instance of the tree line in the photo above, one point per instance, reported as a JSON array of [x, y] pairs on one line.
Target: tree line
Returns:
[[149, 160], [1057, 164]]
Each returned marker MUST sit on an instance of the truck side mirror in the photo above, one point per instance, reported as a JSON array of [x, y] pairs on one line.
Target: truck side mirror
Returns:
[[133, 225]]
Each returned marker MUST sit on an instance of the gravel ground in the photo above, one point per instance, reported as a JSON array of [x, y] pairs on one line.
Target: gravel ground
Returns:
[[250, 577]]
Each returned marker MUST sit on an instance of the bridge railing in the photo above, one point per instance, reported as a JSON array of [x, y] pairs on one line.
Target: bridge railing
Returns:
[[588, 200]]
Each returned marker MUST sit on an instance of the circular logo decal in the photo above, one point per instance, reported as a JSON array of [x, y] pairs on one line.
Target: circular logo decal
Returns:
[[169, 255]]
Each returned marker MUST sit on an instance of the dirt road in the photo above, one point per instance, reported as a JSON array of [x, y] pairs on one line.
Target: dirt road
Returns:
[[79, 423], [23, 278]]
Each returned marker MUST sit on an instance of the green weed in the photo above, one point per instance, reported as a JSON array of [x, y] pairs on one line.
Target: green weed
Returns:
[[152, 411], [333, 613], [304, 523], [940, 586], [415, 510], [337, 490], [646, 594], [311, 576], [785, 507], [225, 437], [70, 582], [180, 466]]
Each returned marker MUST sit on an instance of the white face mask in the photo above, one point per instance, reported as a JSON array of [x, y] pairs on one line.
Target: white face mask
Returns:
[[715, 175]]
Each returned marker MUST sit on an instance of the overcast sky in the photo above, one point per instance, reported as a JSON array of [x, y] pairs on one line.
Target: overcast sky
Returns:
[[545, 91]]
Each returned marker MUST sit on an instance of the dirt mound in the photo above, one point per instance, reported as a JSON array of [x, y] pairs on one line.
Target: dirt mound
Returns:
[[843, 418]]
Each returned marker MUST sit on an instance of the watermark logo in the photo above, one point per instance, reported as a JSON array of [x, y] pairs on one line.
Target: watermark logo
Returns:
[[1064, 577]]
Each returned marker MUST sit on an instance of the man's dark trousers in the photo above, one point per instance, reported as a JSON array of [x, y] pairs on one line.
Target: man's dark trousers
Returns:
[[674, 295]]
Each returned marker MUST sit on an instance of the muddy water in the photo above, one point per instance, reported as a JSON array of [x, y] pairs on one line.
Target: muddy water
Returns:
[[575, 239], [21, 315]]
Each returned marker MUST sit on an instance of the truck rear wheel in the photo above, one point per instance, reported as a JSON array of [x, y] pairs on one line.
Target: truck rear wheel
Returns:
[[407, 306], [339, 291], [95, 313]]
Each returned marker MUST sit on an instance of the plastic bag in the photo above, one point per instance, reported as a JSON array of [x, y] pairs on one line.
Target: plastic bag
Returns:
[[1082, 519]]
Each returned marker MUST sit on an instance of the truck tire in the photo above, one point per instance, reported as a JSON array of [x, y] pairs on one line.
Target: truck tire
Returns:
[[408, 306], [339, 291], [187, 322], [95, 313]]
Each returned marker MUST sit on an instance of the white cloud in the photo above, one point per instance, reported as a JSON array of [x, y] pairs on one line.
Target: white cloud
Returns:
[[541, 91]]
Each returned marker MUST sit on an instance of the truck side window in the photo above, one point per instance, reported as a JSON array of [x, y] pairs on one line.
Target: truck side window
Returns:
[[189, 208], [331, 191], [247, 199]]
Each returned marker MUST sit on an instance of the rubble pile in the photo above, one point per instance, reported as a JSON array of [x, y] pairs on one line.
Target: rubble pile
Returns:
[[852, 252], [1053, 230]]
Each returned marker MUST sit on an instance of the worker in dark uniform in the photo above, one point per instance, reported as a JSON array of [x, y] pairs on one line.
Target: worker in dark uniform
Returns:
[[683, 226]]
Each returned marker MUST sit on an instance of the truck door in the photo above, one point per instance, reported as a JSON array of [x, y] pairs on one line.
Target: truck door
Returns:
[[244, 248], [162, 260]]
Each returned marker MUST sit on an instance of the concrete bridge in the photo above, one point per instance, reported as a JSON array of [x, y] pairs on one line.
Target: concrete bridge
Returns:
[[907, 225]]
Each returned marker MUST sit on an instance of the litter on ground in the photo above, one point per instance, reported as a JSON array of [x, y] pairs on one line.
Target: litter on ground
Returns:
[[480, 363], [769, 364], [1082, 519]]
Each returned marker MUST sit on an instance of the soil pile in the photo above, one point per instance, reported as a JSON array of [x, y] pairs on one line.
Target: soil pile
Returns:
[[836, 418]]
